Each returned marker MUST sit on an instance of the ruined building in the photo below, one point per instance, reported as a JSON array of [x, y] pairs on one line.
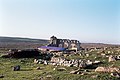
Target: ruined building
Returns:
[[64, 43]]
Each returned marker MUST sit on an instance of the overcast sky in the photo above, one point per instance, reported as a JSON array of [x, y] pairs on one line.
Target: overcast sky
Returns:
[[86, 20]]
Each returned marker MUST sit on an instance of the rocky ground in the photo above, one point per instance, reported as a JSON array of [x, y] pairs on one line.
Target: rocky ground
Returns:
[[94, 64]]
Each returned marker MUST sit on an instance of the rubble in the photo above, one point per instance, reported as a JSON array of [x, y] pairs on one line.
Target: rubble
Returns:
[[61, 61]]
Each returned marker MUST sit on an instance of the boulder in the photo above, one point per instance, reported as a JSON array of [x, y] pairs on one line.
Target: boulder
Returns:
[[97, 62], [38, 68], [107, 69], [115, 75], [94, 76], [61, 69], [83, 74], [103, 54], [45, 62], [16, 68], [89, 62], [118, 57], [49, 76], [87, 55], [79, 73], [36, 61], [1, 76], [75, 71], [82, 64], [86, 71], [111, 58], [54, 69]]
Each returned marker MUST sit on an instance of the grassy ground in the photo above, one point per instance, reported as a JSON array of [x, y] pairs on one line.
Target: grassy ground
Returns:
[[28, 70]]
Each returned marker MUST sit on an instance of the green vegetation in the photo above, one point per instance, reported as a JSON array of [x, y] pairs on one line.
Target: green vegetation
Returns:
[[29, 72]]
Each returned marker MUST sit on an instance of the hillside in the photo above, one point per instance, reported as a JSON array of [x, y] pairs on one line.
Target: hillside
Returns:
[[22, 43], [17, 42], [18, 39], [98, 45]]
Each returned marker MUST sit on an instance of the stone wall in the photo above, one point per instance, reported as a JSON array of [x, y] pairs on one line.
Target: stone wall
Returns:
[[64, 43]]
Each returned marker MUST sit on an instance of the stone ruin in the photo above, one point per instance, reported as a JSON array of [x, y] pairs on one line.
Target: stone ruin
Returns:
[[64, 43], [61, 61]]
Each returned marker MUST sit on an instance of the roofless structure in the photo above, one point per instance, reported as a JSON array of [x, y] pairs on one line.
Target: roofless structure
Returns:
[[61, 44]]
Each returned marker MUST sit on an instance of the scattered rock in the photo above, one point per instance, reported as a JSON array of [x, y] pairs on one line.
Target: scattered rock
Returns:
[[100, 69], [49, 76], [89, 62], [97, 62], [38, 68], [54, 64], [45, 62], [16, 68], [109, 52], [61, 69], [111, 58], [86, 71], [83, 74], [95, 57], [103, 54], [82, 64], [54, 69], [115, 75], [107, 69], [36, 61], [78, 72], [94, 76], [75, 71], [87, 55], [41, 78], [118, 57], [1, 76]]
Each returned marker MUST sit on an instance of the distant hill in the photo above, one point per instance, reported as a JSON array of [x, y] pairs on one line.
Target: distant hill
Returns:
[[22, 43], [18, 39], [98, 45], [17, 42]]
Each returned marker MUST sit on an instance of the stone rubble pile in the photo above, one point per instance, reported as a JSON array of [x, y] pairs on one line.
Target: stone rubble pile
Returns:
[[69, 63]]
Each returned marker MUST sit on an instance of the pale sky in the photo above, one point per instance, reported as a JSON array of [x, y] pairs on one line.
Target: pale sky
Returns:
[[85, 20]]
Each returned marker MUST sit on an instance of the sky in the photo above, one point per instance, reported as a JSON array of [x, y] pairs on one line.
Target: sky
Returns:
[[94, 21]]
